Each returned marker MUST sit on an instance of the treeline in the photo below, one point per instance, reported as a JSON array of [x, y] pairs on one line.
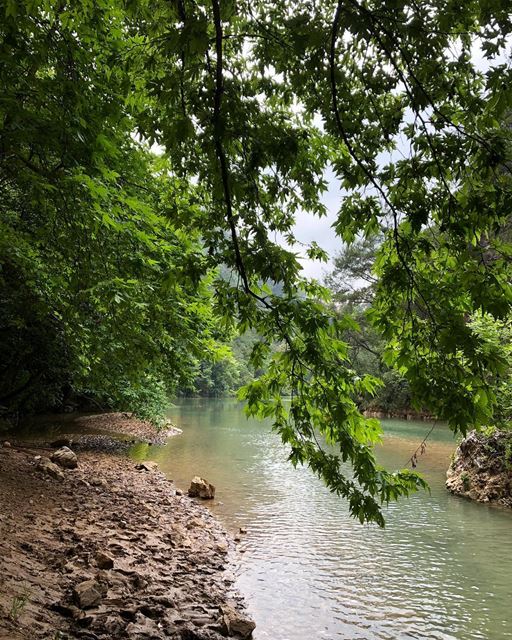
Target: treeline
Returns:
[[351, 285]]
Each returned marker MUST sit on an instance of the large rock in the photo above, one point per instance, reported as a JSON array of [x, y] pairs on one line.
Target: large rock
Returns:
[[89, 593], [65, 458], [236, 623], [201, 488], [481, 469], [47, 466]]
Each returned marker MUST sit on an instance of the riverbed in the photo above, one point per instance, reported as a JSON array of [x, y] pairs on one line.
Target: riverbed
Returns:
[[441, 569]]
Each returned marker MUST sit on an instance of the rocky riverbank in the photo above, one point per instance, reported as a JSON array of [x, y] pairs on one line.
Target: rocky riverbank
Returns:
[[109, 550], [80, 427], [482, 468]]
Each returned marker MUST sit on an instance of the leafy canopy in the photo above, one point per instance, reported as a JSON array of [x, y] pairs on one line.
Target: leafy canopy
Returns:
[[252, 102]]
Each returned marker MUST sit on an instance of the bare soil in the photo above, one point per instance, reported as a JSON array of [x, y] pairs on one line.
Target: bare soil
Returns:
[[166, 560]]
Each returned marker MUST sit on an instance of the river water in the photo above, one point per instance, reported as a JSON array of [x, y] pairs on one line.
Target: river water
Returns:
[[441, 569]]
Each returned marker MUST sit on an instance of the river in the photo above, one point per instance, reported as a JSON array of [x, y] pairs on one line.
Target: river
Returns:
[[441, 569]]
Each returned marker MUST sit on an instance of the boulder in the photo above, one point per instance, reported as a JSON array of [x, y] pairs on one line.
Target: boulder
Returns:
[[65, 458], [47, 466], [89, 593], [201, 488], [481, 468], [236, 623]]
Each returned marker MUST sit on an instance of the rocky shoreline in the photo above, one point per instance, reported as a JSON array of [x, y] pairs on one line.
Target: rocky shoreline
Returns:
[[109, 549], [481, 469]]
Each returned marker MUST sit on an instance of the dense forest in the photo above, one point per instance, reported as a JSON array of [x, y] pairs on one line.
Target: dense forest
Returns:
[[154, 157]]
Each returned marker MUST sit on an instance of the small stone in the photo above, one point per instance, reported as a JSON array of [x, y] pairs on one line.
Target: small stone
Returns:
[[179, 492], [242, 530], [201, 488], [98, 482], [104, 561], [51, 469], [88, 593], [196, 523], [149, 465], [236, 623], [65, 458], [6, 444]]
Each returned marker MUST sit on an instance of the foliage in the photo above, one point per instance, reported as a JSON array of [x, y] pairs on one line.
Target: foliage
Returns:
[[351, 280], [252, 102], [352, 285], [101, 294], [494, 341], [225, 376], [18, 604]]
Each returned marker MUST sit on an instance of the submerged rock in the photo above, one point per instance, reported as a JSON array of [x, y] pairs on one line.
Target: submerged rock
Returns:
[[482, 468], [201, 488], [65, 458]]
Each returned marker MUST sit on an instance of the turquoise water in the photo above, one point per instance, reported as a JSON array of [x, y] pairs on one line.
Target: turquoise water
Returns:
[[442, 568]]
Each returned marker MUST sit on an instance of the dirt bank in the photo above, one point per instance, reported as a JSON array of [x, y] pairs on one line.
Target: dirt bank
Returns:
[[78, 425], [482, 468], [109, 551]]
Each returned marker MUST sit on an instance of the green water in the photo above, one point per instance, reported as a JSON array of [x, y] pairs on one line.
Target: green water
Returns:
[[442, 568]]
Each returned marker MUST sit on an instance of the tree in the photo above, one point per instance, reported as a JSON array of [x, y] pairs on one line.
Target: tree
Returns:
[[100, 293], [252, 101], [352, 284]]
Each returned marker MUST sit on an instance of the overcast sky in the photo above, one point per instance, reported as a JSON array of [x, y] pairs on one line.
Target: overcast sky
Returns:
[[312, 229], [309, 228]]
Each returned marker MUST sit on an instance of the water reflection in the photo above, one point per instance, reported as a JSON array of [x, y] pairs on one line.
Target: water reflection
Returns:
[[440, 570]]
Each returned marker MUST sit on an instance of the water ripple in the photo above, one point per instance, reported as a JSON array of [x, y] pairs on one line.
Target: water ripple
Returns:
[[441, 570]]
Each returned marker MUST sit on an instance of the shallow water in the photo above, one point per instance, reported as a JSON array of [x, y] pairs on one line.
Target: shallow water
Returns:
[[442, 568]]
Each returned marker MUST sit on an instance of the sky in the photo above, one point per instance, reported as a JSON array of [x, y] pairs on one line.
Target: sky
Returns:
[[310, 228]]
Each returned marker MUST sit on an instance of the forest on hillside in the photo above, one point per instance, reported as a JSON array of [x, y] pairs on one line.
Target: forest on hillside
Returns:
[[154, 158]]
